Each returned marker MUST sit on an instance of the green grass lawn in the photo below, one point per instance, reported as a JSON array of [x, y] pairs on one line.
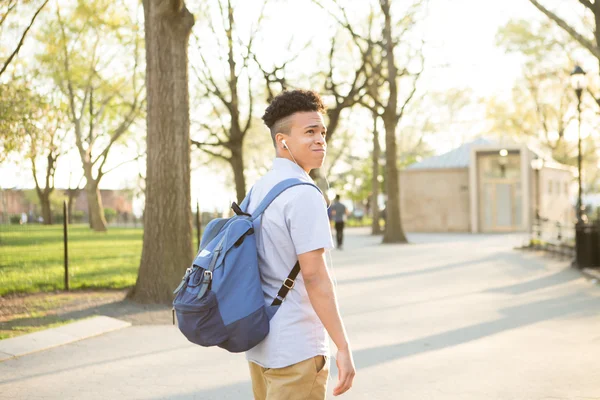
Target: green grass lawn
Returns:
[[31, 258]]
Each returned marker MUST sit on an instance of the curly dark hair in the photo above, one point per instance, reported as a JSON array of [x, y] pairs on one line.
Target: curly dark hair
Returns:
[[288, 103]]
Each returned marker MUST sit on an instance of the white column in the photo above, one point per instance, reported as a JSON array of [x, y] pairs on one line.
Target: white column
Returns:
[[474, 192], [526, 201]]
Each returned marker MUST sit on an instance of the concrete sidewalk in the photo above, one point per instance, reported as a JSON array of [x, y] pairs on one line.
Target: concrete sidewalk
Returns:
[[447, 317], [54, 337]]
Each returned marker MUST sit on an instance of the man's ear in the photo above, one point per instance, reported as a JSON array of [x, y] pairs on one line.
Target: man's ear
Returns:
[[278, 138]]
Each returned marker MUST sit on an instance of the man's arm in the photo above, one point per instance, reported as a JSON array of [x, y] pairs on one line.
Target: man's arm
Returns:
[[322, 297]]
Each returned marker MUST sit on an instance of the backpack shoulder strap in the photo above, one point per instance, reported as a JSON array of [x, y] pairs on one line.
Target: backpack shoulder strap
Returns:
[[276, 191], [246, 201], [287, 285]]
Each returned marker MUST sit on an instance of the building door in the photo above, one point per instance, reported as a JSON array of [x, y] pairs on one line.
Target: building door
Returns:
[[501, 207], [500, 193]]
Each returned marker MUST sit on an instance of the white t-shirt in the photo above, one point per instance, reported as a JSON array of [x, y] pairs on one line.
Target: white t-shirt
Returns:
[[295, 223]]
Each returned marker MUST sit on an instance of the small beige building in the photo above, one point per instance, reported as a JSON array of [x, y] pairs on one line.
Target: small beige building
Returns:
[[486, 186]]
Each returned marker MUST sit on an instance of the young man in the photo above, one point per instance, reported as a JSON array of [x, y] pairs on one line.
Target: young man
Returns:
[[291, 363], [339, 212]]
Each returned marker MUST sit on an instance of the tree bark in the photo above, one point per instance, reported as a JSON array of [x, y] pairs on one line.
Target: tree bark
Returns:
[[96, 218], [72, 195], [44, 194], [393, 226], [46, 209], [318, 175], [375, 226], [237, 165], [95, 209], [167, 249]]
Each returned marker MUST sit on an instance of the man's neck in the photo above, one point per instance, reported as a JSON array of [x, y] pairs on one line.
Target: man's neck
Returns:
[[292, 160]]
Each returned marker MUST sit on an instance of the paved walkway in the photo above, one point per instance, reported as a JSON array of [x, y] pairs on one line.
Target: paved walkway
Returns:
[[447, 317]]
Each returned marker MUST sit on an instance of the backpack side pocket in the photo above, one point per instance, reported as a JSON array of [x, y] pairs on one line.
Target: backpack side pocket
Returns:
[[201, 323]]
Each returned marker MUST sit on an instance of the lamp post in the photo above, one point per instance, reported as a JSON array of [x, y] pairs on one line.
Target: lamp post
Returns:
[[578, 82], [537, 164]]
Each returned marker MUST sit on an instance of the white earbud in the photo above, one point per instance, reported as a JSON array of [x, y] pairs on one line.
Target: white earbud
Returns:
[[284, 144]]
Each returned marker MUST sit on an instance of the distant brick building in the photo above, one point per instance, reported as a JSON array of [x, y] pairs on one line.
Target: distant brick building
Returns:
[[120, 201], [18, 201]]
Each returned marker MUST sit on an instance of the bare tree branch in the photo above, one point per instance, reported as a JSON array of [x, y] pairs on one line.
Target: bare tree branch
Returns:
[[122, 163], [344, 145], [587, 3], [576, 35], [344, 23], [88, 86], [220, 142], [201, 146], [11, 7], [274, 76], [249, 53], [118, 132], [20, 44], [208, 96], [414, 88], [214, 88], [84, 153]]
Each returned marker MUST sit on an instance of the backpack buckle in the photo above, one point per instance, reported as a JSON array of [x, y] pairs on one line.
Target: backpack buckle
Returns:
[[208, 274], [288, 285]]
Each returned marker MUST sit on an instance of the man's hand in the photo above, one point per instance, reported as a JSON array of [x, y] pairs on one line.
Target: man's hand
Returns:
[[346, 371]]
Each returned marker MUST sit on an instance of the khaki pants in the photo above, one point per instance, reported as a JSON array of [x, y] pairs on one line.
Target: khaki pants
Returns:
[[304, 380]]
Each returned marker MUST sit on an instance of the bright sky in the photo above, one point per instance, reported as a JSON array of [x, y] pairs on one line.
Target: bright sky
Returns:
[[460, 53]]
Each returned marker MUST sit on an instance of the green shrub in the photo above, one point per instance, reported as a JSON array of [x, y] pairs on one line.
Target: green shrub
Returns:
[[110, 214]]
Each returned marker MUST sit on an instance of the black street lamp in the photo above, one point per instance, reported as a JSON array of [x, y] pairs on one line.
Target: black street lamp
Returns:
[[578, 82]]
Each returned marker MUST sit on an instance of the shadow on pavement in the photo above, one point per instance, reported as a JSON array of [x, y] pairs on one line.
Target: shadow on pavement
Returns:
[[234, 391], [76, 366], [501, 258], [515, 317], [558, 278]]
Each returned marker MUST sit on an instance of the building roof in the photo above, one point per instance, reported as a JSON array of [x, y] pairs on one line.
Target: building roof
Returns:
[[461, 156], [457, 158]]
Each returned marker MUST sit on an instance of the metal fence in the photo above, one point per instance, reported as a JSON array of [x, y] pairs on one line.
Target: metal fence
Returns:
[[580, 242], [553, 236], [36, 257]]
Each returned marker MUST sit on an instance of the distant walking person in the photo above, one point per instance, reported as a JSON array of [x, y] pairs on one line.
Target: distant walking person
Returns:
[[339, 212]]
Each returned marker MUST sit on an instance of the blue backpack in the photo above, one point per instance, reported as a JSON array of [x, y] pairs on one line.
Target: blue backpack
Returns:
[[220, 301]]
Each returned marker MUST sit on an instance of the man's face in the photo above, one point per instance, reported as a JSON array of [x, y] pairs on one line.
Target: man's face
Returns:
[[306, 140]]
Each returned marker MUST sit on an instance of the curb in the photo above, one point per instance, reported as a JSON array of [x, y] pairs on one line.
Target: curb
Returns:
[[54, 337]]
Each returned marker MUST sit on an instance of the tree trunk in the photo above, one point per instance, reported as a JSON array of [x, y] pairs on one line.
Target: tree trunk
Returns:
[[393, 225], [95, 208], [44, 194], [72, 196], [167, 249], [237, 165], [46, 209], [317, 175], [375, 226]]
